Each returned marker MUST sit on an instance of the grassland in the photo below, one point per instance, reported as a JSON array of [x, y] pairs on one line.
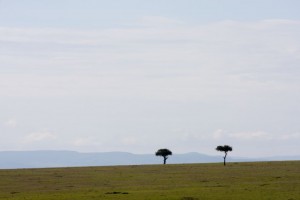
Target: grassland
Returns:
[[237, 181]]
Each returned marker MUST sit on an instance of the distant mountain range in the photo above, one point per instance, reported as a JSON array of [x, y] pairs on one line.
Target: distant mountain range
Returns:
[[44, 159]]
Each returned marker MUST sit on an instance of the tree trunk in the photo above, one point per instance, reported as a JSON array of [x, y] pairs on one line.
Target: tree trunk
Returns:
[[225, 158], [165, 159]]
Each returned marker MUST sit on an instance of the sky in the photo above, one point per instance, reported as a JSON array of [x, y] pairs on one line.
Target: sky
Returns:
[[139, 75]]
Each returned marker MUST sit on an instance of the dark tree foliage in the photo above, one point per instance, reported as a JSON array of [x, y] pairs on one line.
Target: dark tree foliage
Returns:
[[165, 153], [224, 149]]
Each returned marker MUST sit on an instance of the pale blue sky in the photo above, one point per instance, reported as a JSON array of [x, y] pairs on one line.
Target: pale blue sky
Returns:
[[99, 14], [140, 75]]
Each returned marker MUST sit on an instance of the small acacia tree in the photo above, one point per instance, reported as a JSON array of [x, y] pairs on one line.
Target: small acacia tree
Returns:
[[165, 153], [225, 149]]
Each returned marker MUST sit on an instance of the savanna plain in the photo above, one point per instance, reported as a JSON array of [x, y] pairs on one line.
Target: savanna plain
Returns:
[[236, 181]]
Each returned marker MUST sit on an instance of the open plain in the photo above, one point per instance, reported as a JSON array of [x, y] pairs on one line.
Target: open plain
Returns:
[[236, 181]]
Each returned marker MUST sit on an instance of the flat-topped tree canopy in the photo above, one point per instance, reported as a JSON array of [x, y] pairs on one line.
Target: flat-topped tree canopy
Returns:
[[164, 153], [224, 149]]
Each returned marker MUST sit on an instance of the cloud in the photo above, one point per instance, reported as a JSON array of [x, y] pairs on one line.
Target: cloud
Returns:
[[39, 136], [244, 135], [261, 50], [89, 142], [160, 72], [82, 142], [292, 136], [12, 123], [156, 21], [239, 47], [253, 135], [129, 141], [261, 135], [218, 134]]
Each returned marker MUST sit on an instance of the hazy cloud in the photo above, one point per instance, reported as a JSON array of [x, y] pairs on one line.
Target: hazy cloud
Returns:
[[40, 136], [12, 123], [172, 82], [292, 136], [251, 135], [83, 142], [156, 21], [261, 56], [129, 141], [218, 134]]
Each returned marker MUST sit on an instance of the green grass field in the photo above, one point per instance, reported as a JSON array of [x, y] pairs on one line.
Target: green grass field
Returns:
[[236, 181]]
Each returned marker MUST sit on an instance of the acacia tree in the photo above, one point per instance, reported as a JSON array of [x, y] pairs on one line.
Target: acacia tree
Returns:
[[165, 153], [225, 149]]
